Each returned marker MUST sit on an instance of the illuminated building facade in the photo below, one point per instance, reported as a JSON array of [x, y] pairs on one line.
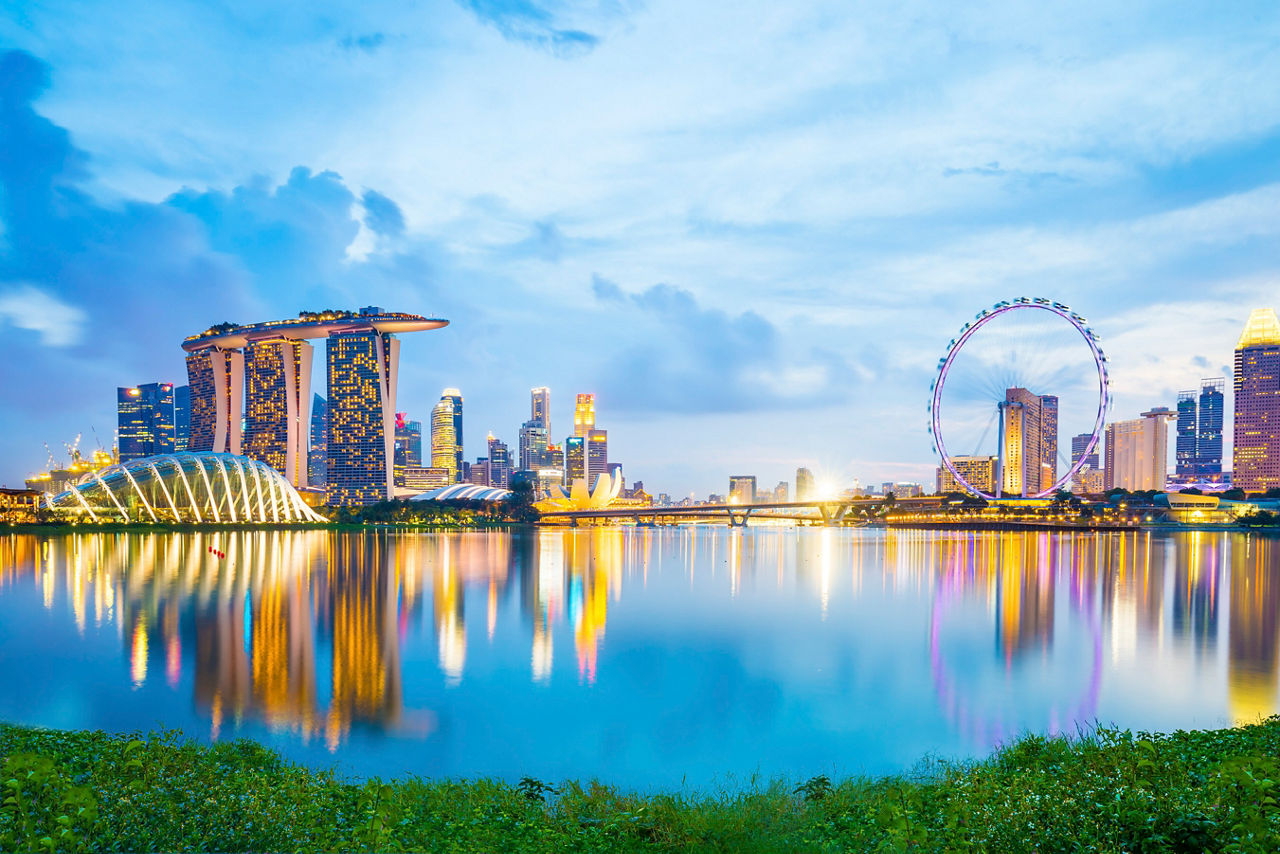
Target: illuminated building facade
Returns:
[[362, 358], [533, 446], [1137, 450], [978, 472], [362, 373], [216, 378], [584, 414], [742, 489], [575, 459], [181, 417], [1020, 458], [1256, 466], [278, 403], [540, 407], [455, 397], [444, 439], [1048, 441], [597, 454], [1200, 417], [805, 489], [145, 420]]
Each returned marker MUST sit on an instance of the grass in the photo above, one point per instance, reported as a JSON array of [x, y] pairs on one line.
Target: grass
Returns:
[[1110, 791]]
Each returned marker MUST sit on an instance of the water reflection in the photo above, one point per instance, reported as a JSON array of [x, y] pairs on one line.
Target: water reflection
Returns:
[[308, 633]]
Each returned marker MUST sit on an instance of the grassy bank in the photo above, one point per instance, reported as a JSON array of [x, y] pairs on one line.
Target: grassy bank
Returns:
[[1112, 791]]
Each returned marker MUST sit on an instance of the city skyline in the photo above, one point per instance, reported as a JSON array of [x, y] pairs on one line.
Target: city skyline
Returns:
[[783, 237]]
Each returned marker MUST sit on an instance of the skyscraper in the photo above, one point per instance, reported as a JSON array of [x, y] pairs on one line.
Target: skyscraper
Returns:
[[1209, 435], [278, 402], [499, 463], [1048, 441], [1199, 444], [1080, 444], [1021, 456], [533, 445], [540, 407], [362, 369], [597, 455], [804, 484], [1257, 404], [575, 459], [318, 459], [216, 377], [456, 397], [584, 414], [408, 447], [181, 417], [1185, 464], [1137, 451], [145, 420], [444, 439]]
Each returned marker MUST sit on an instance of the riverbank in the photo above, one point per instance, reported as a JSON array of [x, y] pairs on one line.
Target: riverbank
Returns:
[[1110, 791]]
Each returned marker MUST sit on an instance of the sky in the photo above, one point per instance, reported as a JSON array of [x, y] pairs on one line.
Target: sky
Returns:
[[749, 228]]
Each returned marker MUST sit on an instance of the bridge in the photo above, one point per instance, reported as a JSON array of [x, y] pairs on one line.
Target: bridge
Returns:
[[836, 511]]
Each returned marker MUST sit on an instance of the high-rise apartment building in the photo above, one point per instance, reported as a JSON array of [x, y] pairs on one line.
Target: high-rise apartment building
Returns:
[[145, 420], [575, 460], [540, 407], [181, 417], [456, 396], [499, 463], [362, 373], [597, 455], [1029, 427], [277, 405], [584, 414], [1137, 450], [1256, 452], [1079, 445], [804, 485], [216, 378], [444, 439], [742, 489]]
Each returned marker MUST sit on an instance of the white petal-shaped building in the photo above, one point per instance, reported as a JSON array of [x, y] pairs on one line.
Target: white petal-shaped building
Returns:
[[185, 487], [464, 491]]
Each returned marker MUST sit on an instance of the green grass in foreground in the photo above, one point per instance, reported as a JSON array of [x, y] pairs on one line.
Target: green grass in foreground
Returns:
[[1111, 791]]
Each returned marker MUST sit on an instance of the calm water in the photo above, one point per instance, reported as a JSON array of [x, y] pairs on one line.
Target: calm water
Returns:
[[644, 657]]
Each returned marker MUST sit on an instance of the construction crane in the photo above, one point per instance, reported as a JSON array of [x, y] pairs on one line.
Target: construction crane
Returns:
[[73, 449]]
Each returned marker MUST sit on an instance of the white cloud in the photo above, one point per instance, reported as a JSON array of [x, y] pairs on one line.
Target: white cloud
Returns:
[[27, 307]]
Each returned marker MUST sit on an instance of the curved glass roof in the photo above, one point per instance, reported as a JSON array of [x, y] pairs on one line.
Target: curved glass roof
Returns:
[[185, 487], [464, 491]]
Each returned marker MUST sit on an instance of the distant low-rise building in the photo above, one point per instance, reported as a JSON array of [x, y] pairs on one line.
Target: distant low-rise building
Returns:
[[979, 472]]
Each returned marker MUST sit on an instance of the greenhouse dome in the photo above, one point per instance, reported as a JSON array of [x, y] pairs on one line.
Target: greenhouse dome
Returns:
[[185, 487]]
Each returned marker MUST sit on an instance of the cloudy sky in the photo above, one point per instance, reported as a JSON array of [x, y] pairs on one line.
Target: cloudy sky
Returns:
[[749, 228]]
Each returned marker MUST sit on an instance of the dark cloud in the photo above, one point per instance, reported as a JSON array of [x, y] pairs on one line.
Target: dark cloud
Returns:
[[382, 215], [534, 24], [679, 356]]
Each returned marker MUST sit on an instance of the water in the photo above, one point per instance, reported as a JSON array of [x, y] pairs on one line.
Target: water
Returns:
[[647, 658]]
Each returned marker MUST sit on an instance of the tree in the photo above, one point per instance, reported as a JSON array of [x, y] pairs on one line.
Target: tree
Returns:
[[1236, 494], [519, 504]]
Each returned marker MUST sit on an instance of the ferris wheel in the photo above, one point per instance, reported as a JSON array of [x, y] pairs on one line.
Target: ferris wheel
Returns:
[[1022, 367]]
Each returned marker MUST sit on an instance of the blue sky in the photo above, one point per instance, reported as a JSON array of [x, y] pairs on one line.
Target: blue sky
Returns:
[[749, 228]]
